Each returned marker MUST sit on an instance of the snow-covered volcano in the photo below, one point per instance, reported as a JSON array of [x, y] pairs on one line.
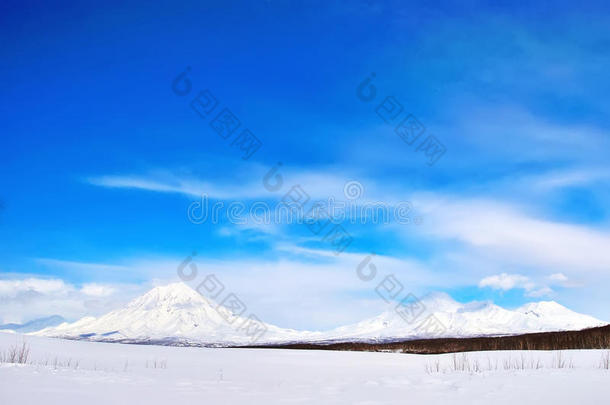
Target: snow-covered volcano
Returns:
[[177, 314], [174, 312]]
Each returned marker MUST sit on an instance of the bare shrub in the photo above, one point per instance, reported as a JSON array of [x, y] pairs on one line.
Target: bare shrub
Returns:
[[16, 354], [462, 363], [492, 366], [433, 367], [522, 363], [605, 361], [156, 364], [559, 361]]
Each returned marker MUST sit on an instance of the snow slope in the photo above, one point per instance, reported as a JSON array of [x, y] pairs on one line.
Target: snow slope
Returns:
[[177, 314], [70, 372]]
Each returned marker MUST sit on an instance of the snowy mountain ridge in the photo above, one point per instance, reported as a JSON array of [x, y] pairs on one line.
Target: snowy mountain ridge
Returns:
[[176, 313], [33, 325]]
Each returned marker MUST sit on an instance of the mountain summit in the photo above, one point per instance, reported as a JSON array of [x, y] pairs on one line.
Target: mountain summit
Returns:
[[171, 313]]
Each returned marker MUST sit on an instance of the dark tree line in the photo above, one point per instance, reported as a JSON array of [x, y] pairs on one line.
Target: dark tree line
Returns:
[[593, 338]]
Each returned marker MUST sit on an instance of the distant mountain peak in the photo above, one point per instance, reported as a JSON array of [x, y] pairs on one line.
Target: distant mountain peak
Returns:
[[34, 325], [175, 294], [543, 306], [440, 301], [176, 311]]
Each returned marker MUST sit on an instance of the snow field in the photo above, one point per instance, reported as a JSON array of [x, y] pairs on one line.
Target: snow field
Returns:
[[103, 373]]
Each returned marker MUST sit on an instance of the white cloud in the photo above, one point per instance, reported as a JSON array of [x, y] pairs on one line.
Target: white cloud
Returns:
[[25, 299], [506, 282], [13, 288], [540, 292], [559, 277], [312, 288], [97, 290]]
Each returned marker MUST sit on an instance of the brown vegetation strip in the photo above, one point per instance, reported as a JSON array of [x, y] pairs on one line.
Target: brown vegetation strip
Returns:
[[593, 338]]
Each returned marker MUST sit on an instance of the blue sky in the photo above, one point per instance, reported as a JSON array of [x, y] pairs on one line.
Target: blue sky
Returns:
[[101, 159]]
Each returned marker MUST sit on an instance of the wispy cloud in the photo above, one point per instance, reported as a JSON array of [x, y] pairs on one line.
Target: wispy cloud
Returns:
[[168, 183], [83, 266], [487, 237], [321, 183], [569, 177], [515, 236], [514, 231]]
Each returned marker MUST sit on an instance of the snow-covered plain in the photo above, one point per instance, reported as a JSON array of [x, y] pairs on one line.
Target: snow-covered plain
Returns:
[[69, 372]]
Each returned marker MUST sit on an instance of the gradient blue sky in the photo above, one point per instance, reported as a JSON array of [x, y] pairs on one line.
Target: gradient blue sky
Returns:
[[100, 159]]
